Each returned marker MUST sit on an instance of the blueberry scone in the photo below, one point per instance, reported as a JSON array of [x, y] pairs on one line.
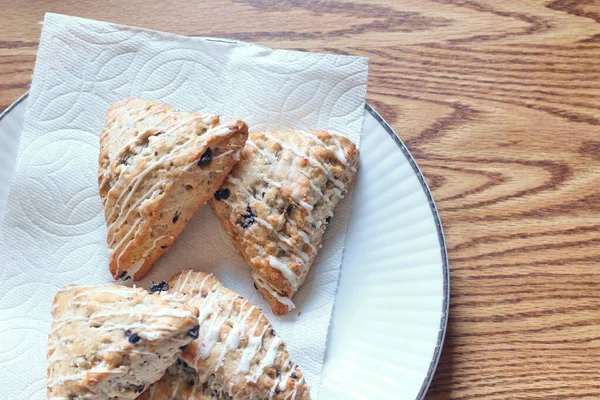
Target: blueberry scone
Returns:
[[112, 342], [277, 202], [237, 355], [157, 167]]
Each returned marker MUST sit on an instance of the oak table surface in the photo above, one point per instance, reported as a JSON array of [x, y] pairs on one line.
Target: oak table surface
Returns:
[[499, 102]]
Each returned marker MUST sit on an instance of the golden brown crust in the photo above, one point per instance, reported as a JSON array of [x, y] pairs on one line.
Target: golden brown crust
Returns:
[[180, 382], [111, 341], [280, 198], [157, 167], [237, 355]]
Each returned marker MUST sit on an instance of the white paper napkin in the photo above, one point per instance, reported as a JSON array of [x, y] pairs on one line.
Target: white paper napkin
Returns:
[[54, 232]]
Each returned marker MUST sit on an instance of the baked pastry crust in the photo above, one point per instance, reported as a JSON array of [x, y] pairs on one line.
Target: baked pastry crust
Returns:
[[238, 355], [112, 342], [277, 201], [180, 382], [157, 166]]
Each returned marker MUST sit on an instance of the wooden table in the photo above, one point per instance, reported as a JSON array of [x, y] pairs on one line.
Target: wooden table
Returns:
[[499, 102]]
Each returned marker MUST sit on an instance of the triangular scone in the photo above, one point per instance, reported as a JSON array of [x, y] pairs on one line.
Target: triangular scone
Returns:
[[237, 355], [157, 167], [112, 342], [277, 201]]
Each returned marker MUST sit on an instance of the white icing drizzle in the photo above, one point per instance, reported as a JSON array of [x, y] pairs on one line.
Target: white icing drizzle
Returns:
[[140, 117], [202, 283], [213, 332], [136, 181], [128, 145], [180, 284], [271, 182], [233, 340], [223, 154], [282, 383], [61, 379], [286, 242], [314, 162], [269, 358], [156, 240], [138, 178], [305, 238], [218, 131], [339, 150], [254, 343], [265, 285], [231, 179], [284, 269], [298, 200], [265, 154], [239, 326], [113, 137], [136, 266]]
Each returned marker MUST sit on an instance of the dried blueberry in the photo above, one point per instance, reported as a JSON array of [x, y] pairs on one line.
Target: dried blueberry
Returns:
[[127, 160], [294, 376], [272, 332], [140, 388], [124, 276], [188, 187], [222, 194], [156, 153], [176, 217], [246, 220], [206, 157], [195, 332], [157, 287], [128, 332], [134, 338]]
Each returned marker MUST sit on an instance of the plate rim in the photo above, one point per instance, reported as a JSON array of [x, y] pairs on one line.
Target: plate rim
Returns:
[[437, 220], [443, 249]]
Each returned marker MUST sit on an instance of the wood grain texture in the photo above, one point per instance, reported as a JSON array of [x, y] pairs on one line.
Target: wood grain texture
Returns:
[[499, 101]]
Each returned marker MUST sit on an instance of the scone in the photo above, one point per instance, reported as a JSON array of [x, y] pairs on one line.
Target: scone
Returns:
[[237, 355], [277, 202], [112, 342], [157, 167]]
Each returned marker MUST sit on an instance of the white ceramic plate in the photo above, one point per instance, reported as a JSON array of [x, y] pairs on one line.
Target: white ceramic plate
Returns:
[[391, 307]]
